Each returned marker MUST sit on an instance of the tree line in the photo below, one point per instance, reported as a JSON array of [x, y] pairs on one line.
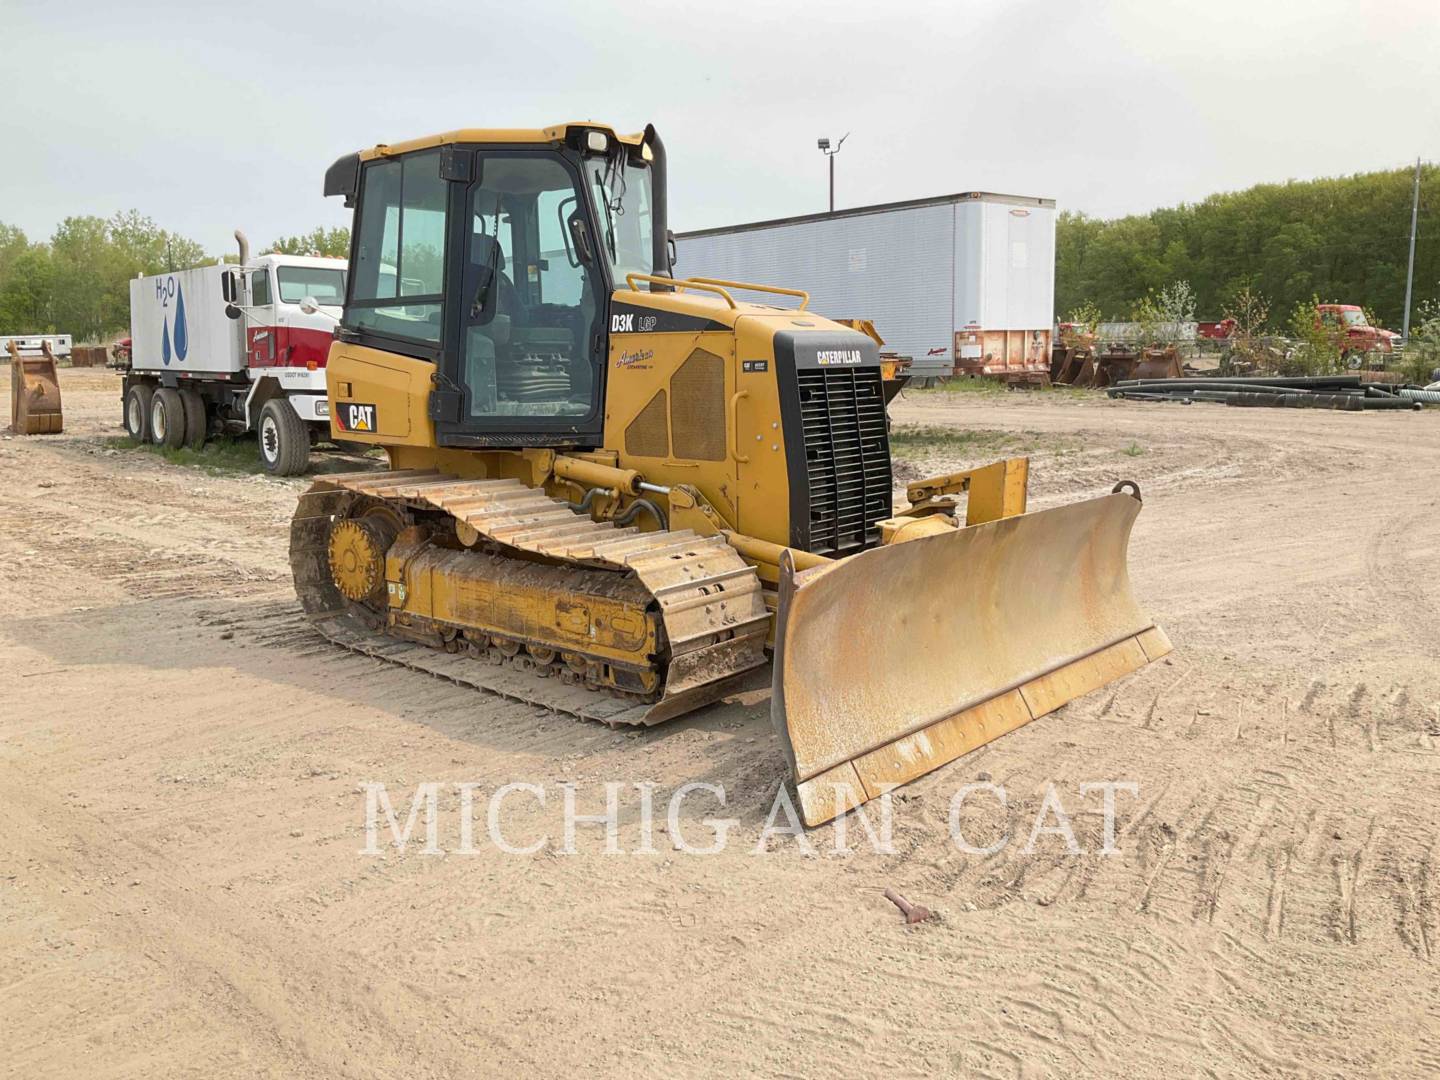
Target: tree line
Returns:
[[78, 281], [1339, 239]]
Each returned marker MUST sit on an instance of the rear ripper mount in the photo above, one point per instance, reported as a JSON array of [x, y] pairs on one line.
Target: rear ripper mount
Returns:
[[460, 572]]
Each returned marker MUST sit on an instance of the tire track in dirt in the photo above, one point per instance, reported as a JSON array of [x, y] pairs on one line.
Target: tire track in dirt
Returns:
[[1254, 552], [258, 979]]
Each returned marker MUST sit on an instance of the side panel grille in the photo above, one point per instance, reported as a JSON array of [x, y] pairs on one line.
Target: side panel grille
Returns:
[[648, 435], [697, 407], [847, 457]]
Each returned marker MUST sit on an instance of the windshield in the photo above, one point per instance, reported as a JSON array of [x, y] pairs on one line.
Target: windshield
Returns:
[[1354, 318], [622, 202], [327, 286]]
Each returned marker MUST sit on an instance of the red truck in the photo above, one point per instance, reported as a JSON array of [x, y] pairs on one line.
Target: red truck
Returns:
[[1358, 337], [1341, 319]]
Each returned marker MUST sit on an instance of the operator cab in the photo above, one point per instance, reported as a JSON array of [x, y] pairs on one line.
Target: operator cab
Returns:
[[496, 261]]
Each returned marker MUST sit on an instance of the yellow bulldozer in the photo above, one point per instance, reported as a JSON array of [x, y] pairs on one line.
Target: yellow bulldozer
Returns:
[[622, 495]]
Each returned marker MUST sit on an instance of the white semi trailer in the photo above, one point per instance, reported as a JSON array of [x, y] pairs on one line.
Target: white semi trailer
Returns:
[[231, 349], [33, 344], [963, 284]]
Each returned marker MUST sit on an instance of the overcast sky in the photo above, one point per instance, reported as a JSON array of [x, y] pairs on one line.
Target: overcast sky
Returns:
[[208, 116]]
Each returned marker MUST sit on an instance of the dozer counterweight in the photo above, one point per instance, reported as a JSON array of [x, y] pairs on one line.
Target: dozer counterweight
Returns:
[[618, 494]]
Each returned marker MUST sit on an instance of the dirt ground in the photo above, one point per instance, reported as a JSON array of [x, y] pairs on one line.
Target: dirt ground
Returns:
[[182, 795]]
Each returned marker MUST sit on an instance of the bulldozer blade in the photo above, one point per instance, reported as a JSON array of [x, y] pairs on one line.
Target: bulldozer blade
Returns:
[[893, 662]]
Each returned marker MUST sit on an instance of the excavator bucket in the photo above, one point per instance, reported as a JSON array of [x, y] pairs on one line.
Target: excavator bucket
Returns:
[[893, 662], [34, 393]]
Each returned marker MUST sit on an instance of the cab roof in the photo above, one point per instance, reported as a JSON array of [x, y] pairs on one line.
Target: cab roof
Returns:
[[277, 258], [553, 134]]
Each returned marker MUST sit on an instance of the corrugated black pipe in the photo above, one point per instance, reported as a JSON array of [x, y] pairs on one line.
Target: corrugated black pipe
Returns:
[[1186, 386], [1294, 381]]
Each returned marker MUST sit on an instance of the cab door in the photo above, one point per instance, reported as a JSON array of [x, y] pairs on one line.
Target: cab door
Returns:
[[262, 347], [529, 345]]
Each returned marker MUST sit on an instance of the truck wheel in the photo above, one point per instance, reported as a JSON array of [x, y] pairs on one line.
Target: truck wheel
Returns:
[[284, 442], [195, 423], [137, 412], [167, 418]]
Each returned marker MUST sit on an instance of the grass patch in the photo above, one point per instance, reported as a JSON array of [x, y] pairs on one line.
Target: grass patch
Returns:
[[960, 386], [909, 440], [231, 455], [1133, 450], [994, 388], [223, 455]]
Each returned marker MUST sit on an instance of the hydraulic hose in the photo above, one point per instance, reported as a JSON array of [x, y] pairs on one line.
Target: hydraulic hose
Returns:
[[639, 506]]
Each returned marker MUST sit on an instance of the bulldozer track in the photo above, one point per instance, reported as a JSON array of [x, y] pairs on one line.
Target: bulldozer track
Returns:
[[710, 603]]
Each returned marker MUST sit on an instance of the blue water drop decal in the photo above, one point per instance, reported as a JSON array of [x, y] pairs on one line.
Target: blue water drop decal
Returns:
[[165, 343], [182, 333]]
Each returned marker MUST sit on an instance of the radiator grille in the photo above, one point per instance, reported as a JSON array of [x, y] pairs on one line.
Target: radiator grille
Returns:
[[847, 457]]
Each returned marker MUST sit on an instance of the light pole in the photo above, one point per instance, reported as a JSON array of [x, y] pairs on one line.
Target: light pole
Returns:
[[1410, 269], [825, 149]]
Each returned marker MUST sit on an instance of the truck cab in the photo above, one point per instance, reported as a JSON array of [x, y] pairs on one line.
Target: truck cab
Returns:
[[278, 331], [1348, 324], [294, 304]]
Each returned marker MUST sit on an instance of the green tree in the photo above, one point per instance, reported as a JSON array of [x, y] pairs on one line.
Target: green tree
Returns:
[[1073, 274], [1422, 351], [82, 269], [1344, 237], [1249, 312], [149, 249], [1318, 344], [12, 245], [332, 243], [25, 292], [79, 283]]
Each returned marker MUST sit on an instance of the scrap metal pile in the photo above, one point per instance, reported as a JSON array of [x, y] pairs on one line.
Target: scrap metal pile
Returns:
[[1352, 393], [1080, 363]]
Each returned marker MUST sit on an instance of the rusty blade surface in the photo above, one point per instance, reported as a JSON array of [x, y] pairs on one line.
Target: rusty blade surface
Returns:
[[893, 662], [34, 394]]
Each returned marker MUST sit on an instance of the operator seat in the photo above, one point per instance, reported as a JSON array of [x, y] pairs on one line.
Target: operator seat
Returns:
[[500, 301], [492, 307]]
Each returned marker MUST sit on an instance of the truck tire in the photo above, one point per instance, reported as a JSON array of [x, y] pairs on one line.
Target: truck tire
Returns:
[[167, 418], [196, 426], [137, 411], [284, 441]]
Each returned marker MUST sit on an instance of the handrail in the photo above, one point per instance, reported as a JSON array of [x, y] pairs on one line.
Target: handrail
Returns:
[[804, 296], [630, 280], [734, 433]]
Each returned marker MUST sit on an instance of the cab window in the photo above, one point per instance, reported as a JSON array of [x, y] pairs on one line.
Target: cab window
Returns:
[[322, 284], [400, 251], [260, 288], [622, 196]]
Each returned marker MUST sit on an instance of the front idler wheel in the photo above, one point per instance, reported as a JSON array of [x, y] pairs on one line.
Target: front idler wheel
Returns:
[[357, 556]]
